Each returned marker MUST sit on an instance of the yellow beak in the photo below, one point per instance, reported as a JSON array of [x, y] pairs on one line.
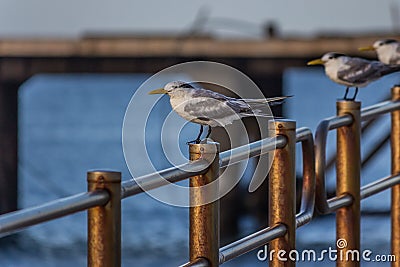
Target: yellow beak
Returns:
[[315, 62], [367, 48], [158, 91]]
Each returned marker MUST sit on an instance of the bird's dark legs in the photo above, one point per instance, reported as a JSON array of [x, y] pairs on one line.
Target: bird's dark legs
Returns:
[[345, 95], [209, 131], [355, 94], [197, 140]]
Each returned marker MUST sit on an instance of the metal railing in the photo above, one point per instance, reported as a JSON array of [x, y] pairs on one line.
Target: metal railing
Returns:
[[105, 191]]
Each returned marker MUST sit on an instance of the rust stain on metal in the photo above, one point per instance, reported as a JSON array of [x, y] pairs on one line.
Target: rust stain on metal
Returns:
[[282, 191], [395, 151], [348, 168], [104, 222], [204, 219]]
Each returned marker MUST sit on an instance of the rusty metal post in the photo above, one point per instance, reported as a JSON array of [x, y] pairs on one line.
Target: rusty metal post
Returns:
[[348, 167], [395, 145], [104, 222], [204, 219], [282, 194]]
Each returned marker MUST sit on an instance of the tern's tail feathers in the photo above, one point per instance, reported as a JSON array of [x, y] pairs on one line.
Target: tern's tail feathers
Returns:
[[390, 69], [272, 101], [259, 113], [277, 100]]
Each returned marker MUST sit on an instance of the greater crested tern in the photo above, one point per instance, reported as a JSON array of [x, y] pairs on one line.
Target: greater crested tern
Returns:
[[210, 108], [352, 71], [387, 50]]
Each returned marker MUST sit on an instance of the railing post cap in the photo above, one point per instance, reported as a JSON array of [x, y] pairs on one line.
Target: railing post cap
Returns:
[[107, 176], [280, 124], [206, 148], [348, 105], [396, 90]]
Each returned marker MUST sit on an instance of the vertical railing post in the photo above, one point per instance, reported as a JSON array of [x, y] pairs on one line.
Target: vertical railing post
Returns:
[[104, 222], [282, 194], [204, 219], [348, 167], [395, 148]]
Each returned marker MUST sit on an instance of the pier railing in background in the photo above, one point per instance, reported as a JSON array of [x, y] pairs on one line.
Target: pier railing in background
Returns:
[[105, 191]]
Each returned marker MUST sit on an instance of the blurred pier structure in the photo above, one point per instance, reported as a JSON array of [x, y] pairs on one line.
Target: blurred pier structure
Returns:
[[264, 61]]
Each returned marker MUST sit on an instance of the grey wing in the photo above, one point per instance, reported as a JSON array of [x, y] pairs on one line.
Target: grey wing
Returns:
[[360, 71], [220, 102], [210, 108], [224, 106], [237, 103], [200, 92]]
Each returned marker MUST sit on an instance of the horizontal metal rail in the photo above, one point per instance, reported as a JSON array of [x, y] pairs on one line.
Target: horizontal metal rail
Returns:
[[379, 109], [250, 242], [184, 171], [164, 177], [17, 220], [201, 262], [365, 191], [379, 186], [339, 202], [251, 150]]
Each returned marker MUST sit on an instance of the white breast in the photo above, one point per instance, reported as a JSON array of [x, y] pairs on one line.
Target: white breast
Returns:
[[388, 54], [332, 68], [178, 105]]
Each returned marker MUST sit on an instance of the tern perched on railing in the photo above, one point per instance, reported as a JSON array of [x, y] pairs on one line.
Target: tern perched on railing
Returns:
[[387, 50], [352, 71], [210, 108]]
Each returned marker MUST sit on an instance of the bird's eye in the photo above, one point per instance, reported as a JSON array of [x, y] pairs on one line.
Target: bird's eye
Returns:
[[330, 57]]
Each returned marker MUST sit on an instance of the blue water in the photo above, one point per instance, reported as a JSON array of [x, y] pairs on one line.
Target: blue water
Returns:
[[72, 123]]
